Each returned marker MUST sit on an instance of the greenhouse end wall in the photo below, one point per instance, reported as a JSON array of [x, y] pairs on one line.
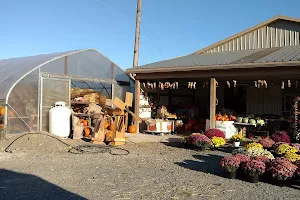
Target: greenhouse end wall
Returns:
[[22, 105]]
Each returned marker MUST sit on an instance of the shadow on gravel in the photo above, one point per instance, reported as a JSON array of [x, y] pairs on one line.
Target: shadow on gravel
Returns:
[[208, 163], [15, 185]]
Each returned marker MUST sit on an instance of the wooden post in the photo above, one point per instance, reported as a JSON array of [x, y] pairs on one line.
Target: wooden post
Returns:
[[137, 104], [137, 34], [135, 63], [213, 96]]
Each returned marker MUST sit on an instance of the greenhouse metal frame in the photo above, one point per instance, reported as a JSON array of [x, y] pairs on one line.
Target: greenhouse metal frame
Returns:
[[29, 86]]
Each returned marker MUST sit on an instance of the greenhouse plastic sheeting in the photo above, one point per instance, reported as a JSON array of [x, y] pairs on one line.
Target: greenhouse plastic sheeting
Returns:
[[11, 70], [24, 102]]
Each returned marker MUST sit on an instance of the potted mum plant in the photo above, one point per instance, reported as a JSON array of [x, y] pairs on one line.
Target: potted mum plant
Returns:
[[230, 164], [253, 169], [267, 142], [216, 142], [199, 141], [281, 170], [236, 139]]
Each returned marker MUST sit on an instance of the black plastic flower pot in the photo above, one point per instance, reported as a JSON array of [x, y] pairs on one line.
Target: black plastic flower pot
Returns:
[[252, 179], [199, 148], [231, 175]]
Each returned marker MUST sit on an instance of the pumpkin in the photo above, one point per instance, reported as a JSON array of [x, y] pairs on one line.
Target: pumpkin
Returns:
[[192, 122], [187, 127], [2, 111], [84, 122], [87, 131], [232, 118], [106, 125], [111, 127], [108, 136], [132, 129], [197, 127]]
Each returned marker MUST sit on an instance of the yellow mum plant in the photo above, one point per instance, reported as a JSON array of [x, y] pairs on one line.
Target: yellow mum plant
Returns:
[[254, 145], [217, 141], [285, 148], [292, 156], [236, 138]]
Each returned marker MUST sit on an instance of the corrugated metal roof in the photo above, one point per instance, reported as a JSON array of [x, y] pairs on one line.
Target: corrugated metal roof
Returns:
[[275, 54], [283, 54], [256, 56], [221, 58]]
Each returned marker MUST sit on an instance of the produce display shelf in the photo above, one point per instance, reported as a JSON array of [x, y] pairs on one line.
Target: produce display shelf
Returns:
[[245, 124]]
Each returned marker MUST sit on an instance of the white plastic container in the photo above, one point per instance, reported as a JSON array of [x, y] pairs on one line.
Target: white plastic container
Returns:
[[159, 126], [59, 120]]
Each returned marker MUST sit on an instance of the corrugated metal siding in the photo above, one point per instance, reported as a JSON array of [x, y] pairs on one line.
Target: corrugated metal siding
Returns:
[[264, 101], [278, 34]]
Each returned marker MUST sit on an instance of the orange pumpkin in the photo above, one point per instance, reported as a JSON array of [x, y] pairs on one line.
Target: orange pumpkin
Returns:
[[111, 127], [132, 129], [87, 131], [108, 136], [232, 118], [106, 125], [2, 111], [84, 122], [187, 127]]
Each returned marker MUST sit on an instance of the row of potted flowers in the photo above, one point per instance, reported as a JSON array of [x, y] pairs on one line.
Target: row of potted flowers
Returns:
[[253, 161], [212, 138]]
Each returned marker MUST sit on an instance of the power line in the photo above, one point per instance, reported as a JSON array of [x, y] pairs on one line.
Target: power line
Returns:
[[147, 33]]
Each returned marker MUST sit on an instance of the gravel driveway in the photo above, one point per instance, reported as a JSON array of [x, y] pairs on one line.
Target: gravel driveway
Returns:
[[150, 171]]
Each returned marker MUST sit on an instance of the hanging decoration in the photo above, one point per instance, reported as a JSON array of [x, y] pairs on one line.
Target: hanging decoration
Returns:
[[282, 85], [228, 84], [296, 124], [206, 84], [265, 83], [234, 83], [192, 85], [289, 83]]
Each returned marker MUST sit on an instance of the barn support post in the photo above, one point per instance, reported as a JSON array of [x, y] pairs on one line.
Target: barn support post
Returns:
[[213, 96], [137, 104]]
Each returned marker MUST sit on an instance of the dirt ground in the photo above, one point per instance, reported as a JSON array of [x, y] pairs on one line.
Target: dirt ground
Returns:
[[40, 167]]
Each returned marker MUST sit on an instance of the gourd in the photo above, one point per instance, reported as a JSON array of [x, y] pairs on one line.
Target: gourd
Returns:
[[132, 129], [252, 121], [245, 120], [240, 119], [87, 131]]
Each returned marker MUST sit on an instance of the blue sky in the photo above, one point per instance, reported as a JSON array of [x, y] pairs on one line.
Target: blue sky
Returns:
[[177, 27]]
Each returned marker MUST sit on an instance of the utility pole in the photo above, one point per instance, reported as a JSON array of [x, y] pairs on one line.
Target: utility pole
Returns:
[[135, 63]]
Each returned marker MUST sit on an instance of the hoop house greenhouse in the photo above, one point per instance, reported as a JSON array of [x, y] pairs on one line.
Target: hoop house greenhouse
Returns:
[[29, 86]]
